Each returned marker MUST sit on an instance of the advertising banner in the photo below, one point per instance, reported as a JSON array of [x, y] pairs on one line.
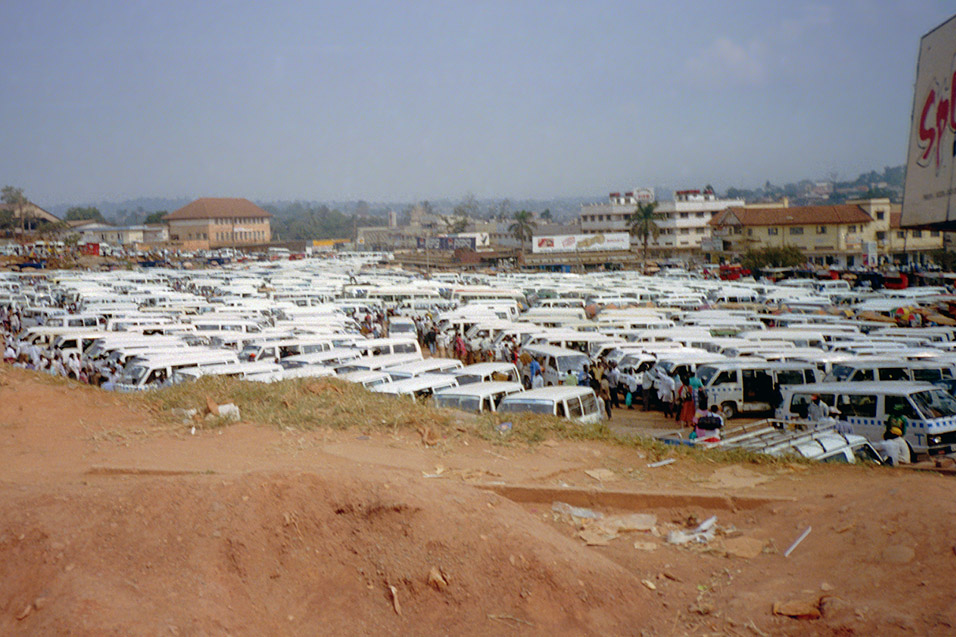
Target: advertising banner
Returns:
[[446, 243], [609, 241], [929, 198]]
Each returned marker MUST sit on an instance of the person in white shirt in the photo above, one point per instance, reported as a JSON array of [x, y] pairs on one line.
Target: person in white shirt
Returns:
[[537, 381]]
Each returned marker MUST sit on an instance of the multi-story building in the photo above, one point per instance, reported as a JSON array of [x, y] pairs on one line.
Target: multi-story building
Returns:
[[213, 222], [862, 232], [684, 223]]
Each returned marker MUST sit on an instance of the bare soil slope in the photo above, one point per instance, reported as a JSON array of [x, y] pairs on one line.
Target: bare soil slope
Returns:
[[112, 522]]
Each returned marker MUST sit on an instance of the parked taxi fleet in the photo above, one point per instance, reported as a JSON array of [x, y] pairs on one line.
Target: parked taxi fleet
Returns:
[[753, 345]]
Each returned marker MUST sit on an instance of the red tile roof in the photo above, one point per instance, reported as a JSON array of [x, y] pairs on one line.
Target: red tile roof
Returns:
[[794, 216], [217, 208]]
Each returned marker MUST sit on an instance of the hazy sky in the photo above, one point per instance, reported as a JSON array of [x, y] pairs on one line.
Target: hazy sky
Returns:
[[414, 100]]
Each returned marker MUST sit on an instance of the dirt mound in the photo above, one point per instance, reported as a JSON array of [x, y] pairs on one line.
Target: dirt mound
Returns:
[[301, 553]]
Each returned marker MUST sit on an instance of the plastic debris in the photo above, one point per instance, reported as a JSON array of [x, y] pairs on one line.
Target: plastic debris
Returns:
[[576, 512], [796, 542], [661, 463], [701, 535], [504, 428], [229, 411]]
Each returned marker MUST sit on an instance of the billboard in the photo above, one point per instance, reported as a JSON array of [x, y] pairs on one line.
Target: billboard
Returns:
[[446, 243], [929, 198], [581, 242]]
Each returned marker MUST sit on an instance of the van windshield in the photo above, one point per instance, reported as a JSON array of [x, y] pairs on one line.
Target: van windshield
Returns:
[[572, 363], [705, 373], [934, 403]]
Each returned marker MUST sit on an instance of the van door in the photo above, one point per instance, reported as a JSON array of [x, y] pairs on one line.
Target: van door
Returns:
[[757, 389]]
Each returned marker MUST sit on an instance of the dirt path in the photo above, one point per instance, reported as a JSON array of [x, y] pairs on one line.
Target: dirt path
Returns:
[[112, 523]]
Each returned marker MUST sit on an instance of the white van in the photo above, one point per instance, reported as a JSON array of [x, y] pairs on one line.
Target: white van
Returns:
[[486, 372], [739, 386], [426, 366], [476, 397], [366, 378], [556, 362], [418, 387], [863, 407], [566, 401], [386, 346], [399, 327], [158, 369]]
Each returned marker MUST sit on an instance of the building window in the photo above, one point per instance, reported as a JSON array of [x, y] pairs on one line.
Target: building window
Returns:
[[772, 231], [900, 235], [685, 230], [880, 236], [821, 229], [917, 234], [796, 230], [750, 232], [700, 215], [851, 229], [934, 233], [879, 216], [684, 215]]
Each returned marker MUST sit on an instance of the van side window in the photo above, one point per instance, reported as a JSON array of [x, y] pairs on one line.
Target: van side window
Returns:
[[893, 373], [562, 412], [863, 374], [589, 404], [790, 377], [724, 377], [403, 348], [574, 408], [859, 406], [894, 402], [799, 404], [809, 375]]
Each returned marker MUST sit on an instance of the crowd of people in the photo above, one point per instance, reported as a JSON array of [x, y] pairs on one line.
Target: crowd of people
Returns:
[[26, 355]]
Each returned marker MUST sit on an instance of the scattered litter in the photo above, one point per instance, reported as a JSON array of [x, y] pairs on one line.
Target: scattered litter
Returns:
[[361, 437], [642, 545], [796, 542], [649, 584], [229, 411], [436, 579], [702, 534], [550, 443], [631, 522], [192, 430], [211, 406], [601, 475], [504, 428], [395, 604], [576, 512], [798, 608], [23, 613], [661, 463], [826, 588]]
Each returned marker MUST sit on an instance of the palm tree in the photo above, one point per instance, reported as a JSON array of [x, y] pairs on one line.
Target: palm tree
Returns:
[[643, 224], [523, 226]]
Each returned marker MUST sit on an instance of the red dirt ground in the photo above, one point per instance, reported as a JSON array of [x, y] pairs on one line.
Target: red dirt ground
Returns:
[[111, 523]]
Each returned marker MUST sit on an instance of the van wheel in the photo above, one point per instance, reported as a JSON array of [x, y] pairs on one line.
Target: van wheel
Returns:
[[729, 409]]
